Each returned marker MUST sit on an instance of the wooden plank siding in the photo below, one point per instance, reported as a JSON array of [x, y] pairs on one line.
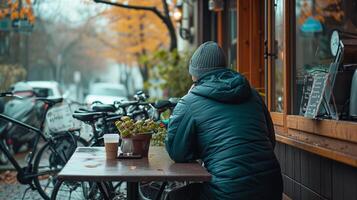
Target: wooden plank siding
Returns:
[[338, 150], [278, 118], [250, 42], [342, 130], [244, 43], [269, 44], [309, 176]]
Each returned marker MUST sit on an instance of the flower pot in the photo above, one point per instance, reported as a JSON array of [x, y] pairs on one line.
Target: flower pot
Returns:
[[141, 144]]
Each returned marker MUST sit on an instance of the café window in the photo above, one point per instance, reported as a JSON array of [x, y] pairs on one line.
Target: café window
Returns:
[[231, 34], [278, 61], [315, 20]]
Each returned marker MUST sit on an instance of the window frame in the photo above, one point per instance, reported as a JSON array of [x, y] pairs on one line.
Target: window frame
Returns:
[[332, 139]]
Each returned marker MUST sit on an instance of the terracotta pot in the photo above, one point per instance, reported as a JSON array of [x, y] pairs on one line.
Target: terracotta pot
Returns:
[[138, 144], [141, 144]]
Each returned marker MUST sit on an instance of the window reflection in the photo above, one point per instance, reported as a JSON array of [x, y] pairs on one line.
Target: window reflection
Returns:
[[232, 44], [278, 66], [315, 20]]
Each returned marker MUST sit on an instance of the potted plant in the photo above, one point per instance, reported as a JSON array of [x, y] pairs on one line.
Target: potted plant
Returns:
[[136, 135]]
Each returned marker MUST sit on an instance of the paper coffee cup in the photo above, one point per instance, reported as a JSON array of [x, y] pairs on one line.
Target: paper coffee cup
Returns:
[[111, 142]]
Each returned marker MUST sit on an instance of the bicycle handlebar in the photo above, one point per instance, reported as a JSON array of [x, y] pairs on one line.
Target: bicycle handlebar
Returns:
[[9, 94]]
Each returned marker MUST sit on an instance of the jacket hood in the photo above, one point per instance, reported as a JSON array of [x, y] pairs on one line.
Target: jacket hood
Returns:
[[223, 85]]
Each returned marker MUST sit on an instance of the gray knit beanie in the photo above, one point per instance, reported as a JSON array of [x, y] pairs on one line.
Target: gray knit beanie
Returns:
[[208, 57]]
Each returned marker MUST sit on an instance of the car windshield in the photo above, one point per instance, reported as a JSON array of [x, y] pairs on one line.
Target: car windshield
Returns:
[[108, 91], [43, 92]]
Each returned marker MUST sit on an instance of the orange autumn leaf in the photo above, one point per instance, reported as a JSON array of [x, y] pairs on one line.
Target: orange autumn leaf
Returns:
[[135, 32], [321, 10], [13, 11], [14, 15]]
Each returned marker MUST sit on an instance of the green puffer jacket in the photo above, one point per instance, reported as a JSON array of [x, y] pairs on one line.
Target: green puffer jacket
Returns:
[[225, 123]]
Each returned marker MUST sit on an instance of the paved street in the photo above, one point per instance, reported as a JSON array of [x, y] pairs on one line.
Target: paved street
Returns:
[[15, 192], [9, 187]]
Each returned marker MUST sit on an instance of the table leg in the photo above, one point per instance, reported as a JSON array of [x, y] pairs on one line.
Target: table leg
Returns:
[[132, 190], [104, 192], [162, 188]]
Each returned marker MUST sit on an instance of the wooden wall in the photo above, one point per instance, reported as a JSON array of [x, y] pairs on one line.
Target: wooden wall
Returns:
[[251, 41], [308, 176]]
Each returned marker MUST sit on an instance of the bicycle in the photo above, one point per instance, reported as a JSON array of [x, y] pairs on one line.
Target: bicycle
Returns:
[[56, 150], [91, 190], [104, 114]]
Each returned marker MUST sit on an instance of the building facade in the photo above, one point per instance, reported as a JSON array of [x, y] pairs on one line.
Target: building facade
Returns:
[[280, 46]]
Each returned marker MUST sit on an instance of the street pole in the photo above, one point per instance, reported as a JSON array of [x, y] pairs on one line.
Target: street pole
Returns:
[[58, 67]]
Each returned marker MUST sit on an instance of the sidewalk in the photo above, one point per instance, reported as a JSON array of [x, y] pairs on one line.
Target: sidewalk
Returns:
[[15, 192], [9, 187]]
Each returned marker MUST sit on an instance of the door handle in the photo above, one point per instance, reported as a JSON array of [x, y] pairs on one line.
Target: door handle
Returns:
[[268, 54]]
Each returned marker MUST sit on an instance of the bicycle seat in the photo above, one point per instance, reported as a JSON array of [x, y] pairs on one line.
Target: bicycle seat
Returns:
[[103, 108], [163, 104], [87, 117], [160, 104], [125, 104], [83, 110], [50, 101]]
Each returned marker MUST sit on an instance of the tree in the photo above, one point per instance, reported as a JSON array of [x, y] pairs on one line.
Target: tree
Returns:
[[321, 10], [170, 67], [17, 10], [163, 15], [61, 44], [10, 74], [132, 34], [55, 45]]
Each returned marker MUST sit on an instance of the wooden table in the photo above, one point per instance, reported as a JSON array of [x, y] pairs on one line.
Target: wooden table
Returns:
[[90, 164]]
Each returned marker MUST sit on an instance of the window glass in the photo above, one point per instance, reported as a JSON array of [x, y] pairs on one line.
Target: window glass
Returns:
[[43, 92], [315, 20], [232, 35], [278, 64]]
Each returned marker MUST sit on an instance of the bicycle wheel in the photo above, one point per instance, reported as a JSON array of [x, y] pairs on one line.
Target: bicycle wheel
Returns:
[[80, 190], [51, 158]]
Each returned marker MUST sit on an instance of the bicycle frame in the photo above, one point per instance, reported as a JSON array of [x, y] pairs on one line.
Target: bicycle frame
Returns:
[[39, 134]]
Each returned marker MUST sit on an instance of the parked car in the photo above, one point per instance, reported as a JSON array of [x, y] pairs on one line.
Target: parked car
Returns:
[[106, 93], [49, 89], [23, 108]]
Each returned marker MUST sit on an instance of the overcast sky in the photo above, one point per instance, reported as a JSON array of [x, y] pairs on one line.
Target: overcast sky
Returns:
[[72, 11]]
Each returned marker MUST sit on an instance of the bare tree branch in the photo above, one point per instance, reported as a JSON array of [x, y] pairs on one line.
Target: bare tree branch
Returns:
[[148, 8], [165, 18]]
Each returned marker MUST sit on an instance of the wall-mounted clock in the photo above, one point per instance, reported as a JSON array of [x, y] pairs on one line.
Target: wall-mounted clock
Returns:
[[334, 42]]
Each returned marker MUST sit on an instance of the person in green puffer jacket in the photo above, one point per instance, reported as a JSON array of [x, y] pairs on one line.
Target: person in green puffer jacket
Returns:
[[225, 123]]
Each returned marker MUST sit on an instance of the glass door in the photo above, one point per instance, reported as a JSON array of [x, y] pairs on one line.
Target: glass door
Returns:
[[275, 53]]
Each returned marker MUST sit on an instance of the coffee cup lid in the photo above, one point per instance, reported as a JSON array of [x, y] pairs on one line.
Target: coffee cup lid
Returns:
[[108, 138]]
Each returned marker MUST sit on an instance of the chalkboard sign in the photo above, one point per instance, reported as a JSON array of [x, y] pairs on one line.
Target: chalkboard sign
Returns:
[[316, 95], [306, 91]]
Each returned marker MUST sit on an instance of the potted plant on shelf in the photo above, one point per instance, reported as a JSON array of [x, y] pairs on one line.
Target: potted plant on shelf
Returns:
[[136, 135]]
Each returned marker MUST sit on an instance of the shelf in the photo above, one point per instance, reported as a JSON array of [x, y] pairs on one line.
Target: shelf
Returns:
[[278, 118], [326, 147], [342, 130]]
